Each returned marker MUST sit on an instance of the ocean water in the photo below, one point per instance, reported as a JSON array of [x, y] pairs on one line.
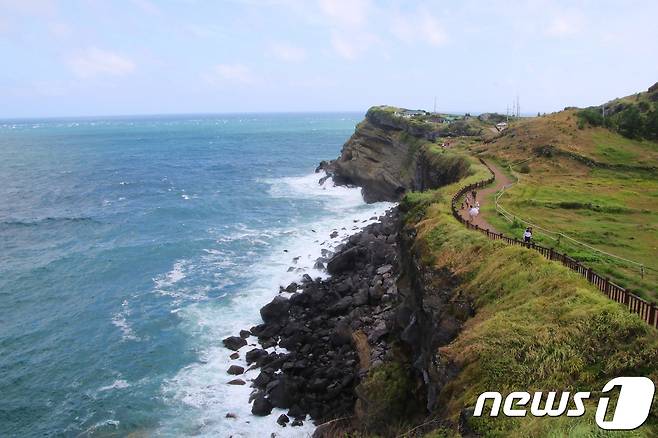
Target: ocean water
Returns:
[[130, 247]]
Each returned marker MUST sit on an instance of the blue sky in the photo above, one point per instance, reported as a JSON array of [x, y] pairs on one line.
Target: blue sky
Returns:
[[87, 57]]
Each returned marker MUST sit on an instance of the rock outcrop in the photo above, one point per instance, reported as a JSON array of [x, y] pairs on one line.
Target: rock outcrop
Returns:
[[388, 156], [332, 330]]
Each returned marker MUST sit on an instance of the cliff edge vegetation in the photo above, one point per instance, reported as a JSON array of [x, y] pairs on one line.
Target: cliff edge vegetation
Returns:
[[391, 154]]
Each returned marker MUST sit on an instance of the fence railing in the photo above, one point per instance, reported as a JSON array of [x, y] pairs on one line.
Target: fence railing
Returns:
[[646, 310]]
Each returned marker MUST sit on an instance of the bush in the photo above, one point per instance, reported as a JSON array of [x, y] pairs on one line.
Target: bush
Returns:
[[630, 122], [524, 168], [651, 125], [591, 116], [387, 395]]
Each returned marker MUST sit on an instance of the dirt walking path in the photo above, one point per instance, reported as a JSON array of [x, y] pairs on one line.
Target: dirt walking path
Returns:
[[485, 196]]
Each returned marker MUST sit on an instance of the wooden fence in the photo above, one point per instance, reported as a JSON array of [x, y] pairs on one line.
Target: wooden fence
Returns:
[[646, 310]]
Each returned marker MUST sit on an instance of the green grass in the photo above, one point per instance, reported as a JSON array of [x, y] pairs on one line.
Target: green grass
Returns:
[[538, 325], [613, 211], [615, 149], [388, 395]]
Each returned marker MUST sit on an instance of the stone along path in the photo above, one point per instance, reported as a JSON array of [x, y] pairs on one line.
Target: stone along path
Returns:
[[485, 196]]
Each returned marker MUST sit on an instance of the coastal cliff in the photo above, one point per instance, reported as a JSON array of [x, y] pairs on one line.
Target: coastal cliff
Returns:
[[389, 155], [358, 341]]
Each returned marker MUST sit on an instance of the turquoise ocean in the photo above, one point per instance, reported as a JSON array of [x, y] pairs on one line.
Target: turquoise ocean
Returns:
[[131, 246]]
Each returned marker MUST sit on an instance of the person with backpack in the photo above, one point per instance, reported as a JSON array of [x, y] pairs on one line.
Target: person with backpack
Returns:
[[527, 235]]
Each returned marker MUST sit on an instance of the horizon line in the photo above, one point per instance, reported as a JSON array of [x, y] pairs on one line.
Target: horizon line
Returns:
[[226, 113]]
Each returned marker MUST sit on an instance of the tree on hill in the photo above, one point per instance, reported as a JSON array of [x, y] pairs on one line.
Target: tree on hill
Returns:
[[592, 116], [630, 122], [651, 125]]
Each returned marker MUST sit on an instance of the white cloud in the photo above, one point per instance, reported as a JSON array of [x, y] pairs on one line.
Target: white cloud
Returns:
[[236, 73], [420, 27], [147, 6], [97, 62], [432, 31], [352, 25], [29, 7], [201, 32], [287, 52], [350, 46], [346, 12], [60, 30], [564, 26], [343, 47]]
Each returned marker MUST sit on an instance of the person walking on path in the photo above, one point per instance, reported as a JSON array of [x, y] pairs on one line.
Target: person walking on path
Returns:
[[473, 212], [527, 235], [482, 197]]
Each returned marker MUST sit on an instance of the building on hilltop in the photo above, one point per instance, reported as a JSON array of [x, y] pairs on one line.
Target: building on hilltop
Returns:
[[406, 113]]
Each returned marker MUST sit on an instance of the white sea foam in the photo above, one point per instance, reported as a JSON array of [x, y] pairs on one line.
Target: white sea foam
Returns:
[[338, 198], [117, 384], [120, 320], [199, 394], [105, 425], [172, 277]]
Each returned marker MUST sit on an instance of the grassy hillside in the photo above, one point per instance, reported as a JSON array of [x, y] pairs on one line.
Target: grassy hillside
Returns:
[[538, 326], [590, 183]]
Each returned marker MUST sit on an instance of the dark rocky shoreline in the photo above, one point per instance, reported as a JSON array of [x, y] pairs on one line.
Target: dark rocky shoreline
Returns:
[[322, 341], [329, 332]]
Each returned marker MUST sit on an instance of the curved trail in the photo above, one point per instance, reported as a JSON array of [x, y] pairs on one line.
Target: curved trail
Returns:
[[484, 197]]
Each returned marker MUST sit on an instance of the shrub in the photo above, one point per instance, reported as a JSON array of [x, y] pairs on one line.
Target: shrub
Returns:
[[591, 116], [630, 122], [651, 125], [524, 168], [386, 394]]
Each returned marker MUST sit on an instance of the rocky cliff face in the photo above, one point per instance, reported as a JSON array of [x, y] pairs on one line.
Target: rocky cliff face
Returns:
[[361, 345], [431, 315], [388, 155]]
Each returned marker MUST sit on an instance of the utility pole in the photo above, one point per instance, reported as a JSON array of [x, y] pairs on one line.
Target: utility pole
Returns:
[[507, 113]]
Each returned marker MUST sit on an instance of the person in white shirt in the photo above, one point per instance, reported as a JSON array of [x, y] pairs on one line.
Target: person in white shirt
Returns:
[[527, 235]]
